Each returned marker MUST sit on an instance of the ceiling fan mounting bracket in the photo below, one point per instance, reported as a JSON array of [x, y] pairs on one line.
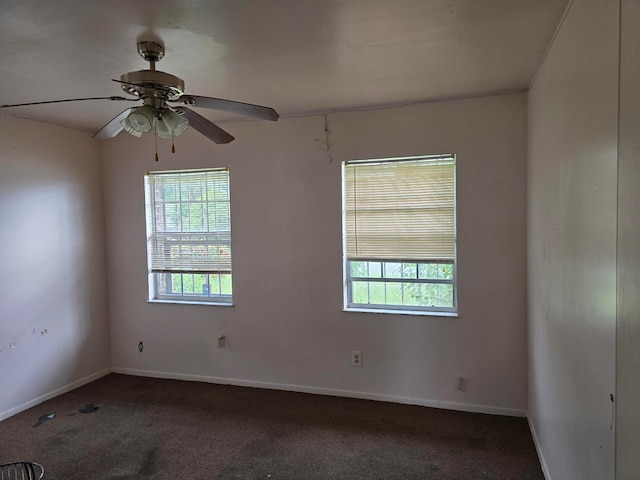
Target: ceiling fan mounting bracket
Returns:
[[151, 51]]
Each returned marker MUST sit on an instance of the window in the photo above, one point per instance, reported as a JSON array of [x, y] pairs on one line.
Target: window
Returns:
[[189, 235], [400, 234]]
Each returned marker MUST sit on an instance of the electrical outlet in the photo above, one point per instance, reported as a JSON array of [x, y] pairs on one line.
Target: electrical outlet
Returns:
[[356, 358], [461, 384], [140, 347], [222, 341]]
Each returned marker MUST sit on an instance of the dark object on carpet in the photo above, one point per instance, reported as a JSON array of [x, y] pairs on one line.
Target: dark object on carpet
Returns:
[[89, 408], [43, 418], [21, 471], [167, 429]]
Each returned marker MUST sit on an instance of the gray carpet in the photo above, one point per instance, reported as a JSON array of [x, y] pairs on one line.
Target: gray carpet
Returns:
[[125, 427]]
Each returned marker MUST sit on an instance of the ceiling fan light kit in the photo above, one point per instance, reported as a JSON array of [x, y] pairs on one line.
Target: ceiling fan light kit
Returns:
[[156, 89], [171, 124], [139, 121]]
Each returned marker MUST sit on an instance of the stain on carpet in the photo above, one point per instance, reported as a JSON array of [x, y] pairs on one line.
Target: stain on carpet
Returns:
[[89, 408], [149, 468], [44, 418]]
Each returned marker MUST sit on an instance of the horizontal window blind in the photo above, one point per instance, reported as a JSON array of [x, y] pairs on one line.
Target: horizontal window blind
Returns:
[[400, 209], [188, 221]]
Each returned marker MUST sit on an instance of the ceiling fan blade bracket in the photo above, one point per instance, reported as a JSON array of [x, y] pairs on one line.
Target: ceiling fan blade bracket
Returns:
[[187, 100]]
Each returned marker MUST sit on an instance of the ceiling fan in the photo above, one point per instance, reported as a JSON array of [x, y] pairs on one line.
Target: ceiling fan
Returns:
[[159, 91]]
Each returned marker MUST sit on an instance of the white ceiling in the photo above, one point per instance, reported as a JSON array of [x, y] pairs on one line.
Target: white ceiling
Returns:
[[297, 56]]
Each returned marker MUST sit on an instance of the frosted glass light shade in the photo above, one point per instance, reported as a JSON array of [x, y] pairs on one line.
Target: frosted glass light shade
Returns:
[[139, 121], [171, 124]]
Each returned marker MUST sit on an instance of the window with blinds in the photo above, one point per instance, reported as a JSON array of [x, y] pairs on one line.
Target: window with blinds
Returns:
[[188, 220], [400, 233]]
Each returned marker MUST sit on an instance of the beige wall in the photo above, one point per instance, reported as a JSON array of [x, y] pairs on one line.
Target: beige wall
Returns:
[[628, 346], [53, 323], [287, 328], [572, 194]]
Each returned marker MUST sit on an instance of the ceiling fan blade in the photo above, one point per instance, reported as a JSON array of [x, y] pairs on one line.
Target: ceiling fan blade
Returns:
[[205, 127], [115, 98], [112, 128], [248, 109]]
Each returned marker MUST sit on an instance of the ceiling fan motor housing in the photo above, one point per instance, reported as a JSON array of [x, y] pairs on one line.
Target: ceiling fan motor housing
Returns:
[[152, 83]]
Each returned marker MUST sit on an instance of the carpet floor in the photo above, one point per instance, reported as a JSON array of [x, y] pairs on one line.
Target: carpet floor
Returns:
[[126, 427]]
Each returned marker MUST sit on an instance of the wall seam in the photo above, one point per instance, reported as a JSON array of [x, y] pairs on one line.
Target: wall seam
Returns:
[[614, 406], [550, 44]]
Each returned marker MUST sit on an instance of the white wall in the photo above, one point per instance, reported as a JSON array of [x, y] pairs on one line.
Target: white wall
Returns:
[[287, 328], [53, 324], [572, 178], [628, 351]]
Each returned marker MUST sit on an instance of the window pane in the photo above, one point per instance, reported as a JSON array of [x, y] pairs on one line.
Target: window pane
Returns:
[[214, 284], [411, 293], [409, 270], [176, 283], [185, 191], [196, 220], [446, 271], [437, 295], [445, 296], [358, 269], [392, 270], [436, 271], [171, 217], [169, 193], [225, 284], [375, 269], [187, 283], [428, 270], [394, 293], [200, 284], [377, 293], [360, 292]]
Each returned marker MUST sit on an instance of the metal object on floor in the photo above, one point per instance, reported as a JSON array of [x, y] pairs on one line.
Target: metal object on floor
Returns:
[[21, 471]]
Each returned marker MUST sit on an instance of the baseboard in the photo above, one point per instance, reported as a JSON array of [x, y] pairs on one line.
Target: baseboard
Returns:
[[464, 407], [58, 391], [543, 464]]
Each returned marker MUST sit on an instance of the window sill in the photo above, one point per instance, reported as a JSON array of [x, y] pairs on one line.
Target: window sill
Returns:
[[182, 302], [424, 313]]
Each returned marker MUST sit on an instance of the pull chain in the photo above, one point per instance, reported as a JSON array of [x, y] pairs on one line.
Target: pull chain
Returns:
[[155, 131]]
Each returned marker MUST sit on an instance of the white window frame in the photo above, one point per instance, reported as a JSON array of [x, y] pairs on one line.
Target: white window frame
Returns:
[[207, 270], [398, 277]]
